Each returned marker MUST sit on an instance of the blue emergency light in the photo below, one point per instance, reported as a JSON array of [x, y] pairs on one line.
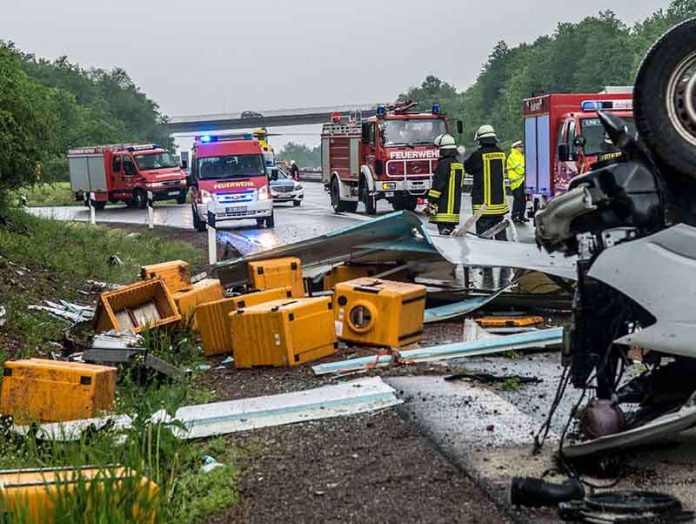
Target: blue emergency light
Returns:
[[436, 109], [381, 111], [207, 138]]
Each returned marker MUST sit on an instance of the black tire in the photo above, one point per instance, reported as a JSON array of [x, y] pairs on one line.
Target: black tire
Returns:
[[140, 198], [338, 205], [260, 222], [370, 202], [270, 221], [398, 203], [665, 112], [98, 205], [181, 199], [297, 203], [199, 224], [131, 202]]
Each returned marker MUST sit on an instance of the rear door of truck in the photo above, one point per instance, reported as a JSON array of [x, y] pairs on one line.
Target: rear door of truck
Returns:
[[87, 172]]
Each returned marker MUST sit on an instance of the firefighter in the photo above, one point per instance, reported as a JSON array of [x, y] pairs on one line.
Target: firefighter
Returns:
[[445, 196], [487, 167], [294, 171], [515, 171]]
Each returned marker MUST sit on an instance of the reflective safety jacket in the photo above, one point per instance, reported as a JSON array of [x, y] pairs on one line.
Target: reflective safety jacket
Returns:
[[515, 168], [446, 191], [487, 167]]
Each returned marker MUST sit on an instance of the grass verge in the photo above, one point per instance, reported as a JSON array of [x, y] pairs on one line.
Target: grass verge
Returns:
[[56, 194], [44, 259]]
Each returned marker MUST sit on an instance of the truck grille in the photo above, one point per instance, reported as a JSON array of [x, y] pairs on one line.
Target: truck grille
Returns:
[[170, 183], [233, 198], [283, 189]]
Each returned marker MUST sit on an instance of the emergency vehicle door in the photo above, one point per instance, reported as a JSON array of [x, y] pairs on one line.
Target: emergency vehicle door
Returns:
[[116, 172], [567, 165], [129, 172]]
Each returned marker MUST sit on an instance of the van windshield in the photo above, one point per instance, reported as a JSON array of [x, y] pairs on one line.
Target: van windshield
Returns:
[[230, 166], [150, 161]]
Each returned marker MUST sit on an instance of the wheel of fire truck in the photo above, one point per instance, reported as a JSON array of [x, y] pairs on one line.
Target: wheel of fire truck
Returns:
[[98, 205], [366, 198], [665, 98], [140, 198], [338, 205], [270, 221], [199, 224], [181, 199]]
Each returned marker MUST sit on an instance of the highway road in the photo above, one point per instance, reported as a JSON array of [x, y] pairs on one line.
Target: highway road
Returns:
[[292, 224]]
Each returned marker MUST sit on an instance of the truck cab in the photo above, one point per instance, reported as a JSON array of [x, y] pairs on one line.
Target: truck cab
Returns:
[[229, 178], [126, 172], [564, 136], [390, 156]]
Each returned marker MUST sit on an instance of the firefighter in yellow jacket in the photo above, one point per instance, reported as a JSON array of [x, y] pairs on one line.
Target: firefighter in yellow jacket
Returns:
[[515, 171], [445, 196]]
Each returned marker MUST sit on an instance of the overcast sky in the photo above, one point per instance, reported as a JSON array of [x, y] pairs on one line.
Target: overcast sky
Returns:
[[197, 57]]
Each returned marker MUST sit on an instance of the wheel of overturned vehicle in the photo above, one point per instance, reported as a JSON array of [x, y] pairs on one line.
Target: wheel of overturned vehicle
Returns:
[[199, 224], [140, 198], [665, 98]]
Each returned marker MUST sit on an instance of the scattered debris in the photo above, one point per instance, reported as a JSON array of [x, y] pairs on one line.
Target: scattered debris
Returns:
[[537, 339], [114, 260], [487, 378], [536, 493], [3, 315], [68, 311], [348, 398], [99, 285], [625, 507], [209, 464]]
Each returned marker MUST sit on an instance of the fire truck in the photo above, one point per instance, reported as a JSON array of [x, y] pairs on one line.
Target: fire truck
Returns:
[[126, 172], [229, 177], [563, 136], [389, 156]]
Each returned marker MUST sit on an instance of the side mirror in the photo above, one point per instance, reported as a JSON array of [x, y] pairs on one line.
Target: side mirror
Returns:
[[579, 142], [563, 153], [460, 127], [366, 132], [184, 164]]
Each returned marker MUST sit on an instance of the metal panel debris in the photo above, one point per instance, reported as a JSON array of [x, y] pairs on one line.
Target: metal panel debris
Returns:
[[348, 398], [536, 339]]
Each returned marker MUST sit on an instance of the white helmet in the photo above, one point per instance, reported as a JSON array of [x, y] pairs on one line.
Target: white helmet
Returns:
[[486, 131], [445, 141], [292, 162]]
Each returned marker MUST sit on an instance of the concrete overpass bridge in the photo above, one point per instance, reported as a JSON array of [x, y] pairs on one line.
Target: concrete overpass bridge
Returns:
[[270, 118]]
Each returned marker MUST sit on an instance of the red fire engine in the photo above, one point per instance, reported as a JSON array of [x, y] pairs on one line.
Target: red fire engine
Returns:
[[126, 172], [389, 156], [563, 136]]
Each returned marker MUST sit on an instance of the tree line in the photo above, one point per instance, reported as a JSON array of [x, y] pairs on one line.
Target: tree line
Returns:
[[48, 107], [586, 56]]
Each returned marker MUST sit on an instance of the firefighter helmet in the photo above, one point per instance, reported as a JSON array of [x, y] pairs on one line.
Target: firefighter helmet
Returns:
[[445, 141], [486, 131]]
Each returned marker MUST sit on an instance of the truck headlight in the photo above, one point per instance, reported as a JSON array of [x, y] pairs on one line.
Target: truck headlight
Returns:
[[263, 193]]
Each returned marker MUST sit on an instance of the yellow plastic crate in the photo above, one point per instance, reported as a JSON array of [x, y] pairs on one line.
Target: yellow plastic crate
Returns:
[[379, 312], [282, 333], [260, 297], [277, 272], [175, 274], [214, 326], [39, 390], [135, 307], [30, 495], [207, 290]]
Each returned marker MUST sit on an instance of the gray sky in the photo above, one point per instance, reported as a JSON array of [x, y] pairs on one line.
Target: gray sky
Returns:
[[209, 56]]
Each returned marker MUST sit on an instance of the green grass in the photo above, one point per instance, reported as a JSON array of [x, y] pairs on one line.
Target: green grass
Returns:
[[56, 194], [44, 259]]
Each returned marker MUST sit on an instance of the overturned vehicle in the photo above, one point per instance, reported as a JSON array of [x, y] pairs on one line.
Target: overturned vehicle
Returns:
[[631, 222]]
